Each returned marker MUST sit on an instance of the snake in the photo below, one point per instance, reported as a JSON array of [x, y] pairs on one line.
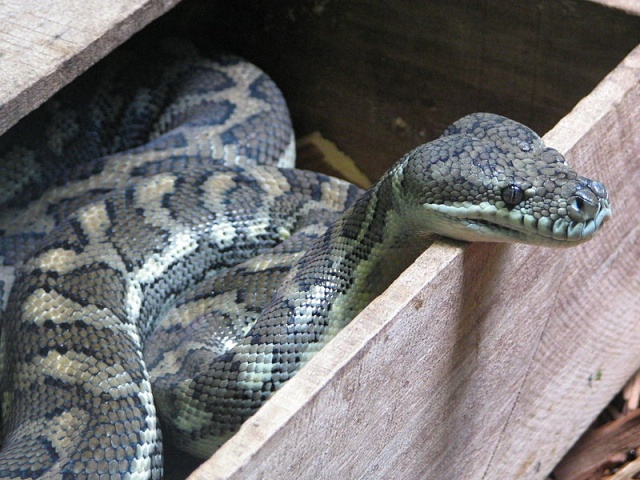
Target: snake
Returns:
[[165, 267]]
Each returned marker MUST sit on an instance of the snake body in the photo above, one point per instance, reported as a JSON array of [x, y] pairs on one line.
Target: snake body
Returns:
[[160, 253]]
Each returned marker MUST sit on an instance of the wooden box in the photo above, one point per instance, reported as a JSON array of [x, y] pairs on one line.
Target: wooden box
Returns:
[[480, 361]]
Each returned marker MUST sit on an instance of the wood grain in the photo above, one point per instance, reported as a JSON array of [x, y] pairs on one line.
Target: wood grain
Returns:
[[484, 361], [44, 44]]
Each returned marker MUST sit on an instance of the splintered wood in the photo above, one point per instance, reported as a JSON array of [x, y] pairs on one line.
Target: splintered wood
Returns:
[[609, 450]]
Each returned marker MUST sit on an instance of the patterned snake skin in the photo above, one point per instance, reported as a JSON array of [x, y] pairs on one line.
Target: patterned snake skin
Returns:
[[154, 238]]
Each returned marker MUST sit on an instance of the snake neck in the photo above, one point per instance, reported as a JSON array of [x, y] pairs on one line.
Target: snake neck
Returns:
[[381, 242]]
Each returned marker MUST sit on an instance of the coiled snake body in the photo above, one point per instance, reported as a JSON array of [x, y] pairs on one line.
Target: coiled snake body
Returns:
[[164, 218]]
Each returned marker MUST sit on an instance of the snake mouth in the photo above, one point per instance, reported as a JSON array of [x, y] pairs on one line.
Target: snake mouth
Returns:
[[488, 223]]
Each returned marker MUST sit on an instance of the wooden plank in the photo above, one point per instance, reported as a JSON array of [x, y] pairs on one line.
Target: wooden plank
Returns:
[[485, 361], [44, 44]]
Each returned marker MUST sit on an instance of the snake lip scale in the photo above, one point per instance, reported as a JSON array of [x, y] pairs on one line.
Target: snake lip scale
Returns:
[[164, 265], [481, 219]]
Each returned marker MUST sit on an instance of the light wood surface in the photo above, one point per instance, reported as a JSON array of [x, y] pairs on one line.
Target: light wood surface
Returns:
[[484, 361], [44, 44]]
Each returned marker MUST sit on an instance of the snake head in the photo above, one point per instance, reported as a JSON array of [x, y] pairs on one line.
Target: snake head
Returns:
[[489, 178]]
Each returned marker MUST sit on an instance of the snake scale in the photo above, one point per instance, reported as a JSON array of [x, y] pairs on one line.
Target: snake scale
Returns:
[[156, 239]]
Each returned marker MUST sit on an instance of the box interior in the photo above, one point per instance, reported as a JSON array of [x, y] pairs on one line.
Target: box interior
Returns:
[[379, 78]]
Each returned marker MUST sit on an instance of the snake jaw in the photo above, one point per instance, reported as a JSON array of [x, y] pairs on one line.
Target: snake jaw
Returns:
[[488, 222]]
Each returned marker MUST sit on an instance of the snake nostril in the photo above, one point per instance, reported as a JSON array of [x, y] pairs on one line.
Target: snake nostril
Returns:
[[598, 188]]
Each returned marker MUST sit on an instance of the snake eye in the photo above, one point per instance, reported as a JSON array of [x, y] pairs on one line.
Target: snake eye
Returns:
[[578, 203], [512, 195]]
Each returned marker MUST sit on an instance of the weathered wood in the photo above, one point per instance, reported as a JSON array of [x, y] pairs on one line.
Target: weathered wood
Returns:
[[44, 44], [484, 361]]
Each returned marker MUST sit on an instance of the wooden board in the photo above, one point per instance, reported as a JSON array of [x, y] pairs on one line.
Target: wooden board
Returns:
[[44, 44], [506, 353]]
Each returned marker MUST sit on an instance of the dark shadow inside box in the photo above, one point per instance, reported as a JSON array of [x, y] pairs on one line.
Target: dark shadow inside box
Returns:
[[379, 78]]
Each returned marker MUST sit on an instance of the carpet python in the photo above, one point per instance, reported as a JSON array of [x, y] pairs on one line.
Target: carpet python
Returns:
[[159, 253]]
